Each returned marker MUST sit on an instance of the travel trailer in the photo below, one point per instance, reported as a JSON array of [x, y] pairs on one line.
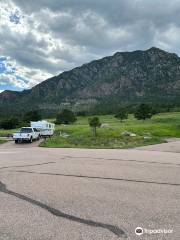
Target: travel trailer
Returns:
[[46, 128]]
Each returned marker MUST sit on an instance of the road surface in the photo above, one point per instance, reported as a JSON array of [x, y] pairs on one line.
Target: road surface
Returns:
[[173, 145], [77, 194]]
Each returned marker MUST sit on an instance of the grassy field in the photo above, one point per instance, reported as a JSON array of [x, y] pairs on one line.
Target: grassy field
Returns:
[[2, 141], [152, 131], [5, 133], [79, 134]]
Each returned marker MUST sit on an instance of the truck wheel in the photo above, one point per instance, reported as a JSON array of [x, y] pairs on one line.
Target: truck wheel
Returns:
[[30, 140], [16, 141], [39, 137]]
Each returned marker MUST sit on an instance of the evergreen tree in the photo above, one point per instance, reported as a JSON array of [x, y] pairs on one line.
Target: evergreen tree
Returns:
[[33, 115], [143, 112], [65, 117], [122, 114], [94, 123], [9, 123]]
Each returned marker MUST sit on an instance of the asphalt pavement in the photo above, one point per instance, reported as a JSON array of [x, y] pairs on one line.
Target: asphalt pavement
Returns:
[[76, 194]]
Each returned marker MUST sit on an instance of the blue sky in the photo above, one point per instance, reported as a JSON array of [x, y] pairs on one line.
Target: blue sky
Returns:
[[8, 74], [9, 79], [44, 38], [6, 71], [15, 17]]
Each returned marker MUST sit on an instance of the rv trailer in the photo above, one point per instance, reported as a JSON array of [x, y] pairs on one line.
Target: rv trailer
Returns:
[[46, 128]]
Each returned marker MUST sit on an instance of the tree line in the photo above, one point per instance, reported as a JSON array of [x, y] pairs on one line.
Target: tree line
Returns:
[[15, 122], [66, 116]]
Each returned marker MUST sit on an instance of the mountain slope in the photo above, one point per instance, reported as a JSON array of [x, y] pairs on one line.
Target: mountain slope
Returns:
[[125, 78]]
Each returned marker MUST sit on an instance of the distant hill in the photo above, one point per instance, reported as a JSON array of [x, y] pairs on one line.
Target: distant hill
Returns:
[[129, 78]]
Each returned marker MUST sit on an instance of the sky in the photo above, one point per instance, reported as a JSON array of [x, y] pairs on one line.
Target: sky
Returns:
[[42, 38]]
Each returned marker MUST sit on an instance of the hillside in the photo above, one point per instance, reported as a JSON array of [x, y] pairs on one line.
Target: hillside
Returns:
[[129, 78]]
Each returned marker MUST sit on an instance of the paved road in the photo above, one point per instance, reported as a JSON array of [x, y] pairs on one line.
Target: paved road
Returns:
[[173, 145], [76, 194], [11, 144]]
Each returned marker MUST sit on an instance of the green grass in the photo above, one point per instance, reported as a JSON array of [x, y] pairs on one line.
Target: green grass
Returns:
[[80, 134], [2, 141], [4, 133]]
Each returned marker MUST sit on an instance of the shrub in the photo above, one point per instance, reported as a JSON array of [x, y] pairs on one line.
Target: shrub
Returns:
[[65, 117], [122, 114], [33, 115], [143, 112], [9, 123]]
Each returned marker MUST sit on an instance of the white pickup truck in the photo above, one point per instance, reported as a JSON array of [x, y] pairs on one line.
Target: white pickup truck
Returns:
[[27, 134]]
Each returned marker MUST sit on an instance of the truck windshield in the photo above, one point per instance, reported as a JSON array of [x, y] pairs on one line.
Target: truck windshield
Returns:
[[26, 130]]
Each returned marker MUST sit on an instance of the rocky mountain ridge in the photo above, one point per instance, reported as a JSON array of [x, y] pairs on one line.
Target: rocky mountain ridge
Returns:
[[126, 78]]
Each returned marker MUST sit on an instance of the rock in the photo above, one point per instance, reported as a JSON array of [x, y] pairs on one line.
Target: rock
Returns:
[[104, 125], [132, 135], [147, 137], [128, 134], [125, 134], [64, 135]]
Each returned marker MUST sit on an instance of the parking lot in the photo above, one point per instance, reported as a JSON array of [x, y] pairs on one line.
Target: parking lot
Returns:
[[87, 194]]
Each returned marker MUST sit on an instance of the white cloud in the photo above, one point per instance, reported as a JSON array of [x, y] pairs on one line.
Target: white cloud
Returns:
[[9, 79], [50, 37]]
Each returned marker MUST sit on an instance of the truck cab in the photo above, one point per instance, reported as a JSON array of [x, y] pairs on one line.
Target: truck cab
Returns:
[[26, 134]]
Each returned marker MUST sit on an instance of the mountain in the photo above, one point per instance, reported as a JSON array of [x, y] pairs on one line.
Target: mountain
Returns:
[[126, 78]]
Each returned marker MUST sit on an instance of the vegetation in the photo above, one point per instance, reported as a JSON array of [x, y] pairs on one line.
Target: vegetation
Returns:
[[111, 133], [9, 123], [7, 132], [94, 123], [65, 117], [122, 114], [16, 122], [2, 141], [143, 112], [151, 131], [32, 116]]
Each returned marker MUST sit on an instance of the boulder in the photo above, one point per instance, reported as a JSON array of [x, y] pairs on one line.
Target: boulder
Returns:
[[128, 134], [104, 125]]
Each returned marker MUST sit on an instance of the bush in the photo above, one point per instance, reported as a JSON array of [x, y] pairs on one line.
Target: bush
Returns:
[[9, 123], [122, 114], [65, 117], [143, 112], [32, 116], [82, 113]]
